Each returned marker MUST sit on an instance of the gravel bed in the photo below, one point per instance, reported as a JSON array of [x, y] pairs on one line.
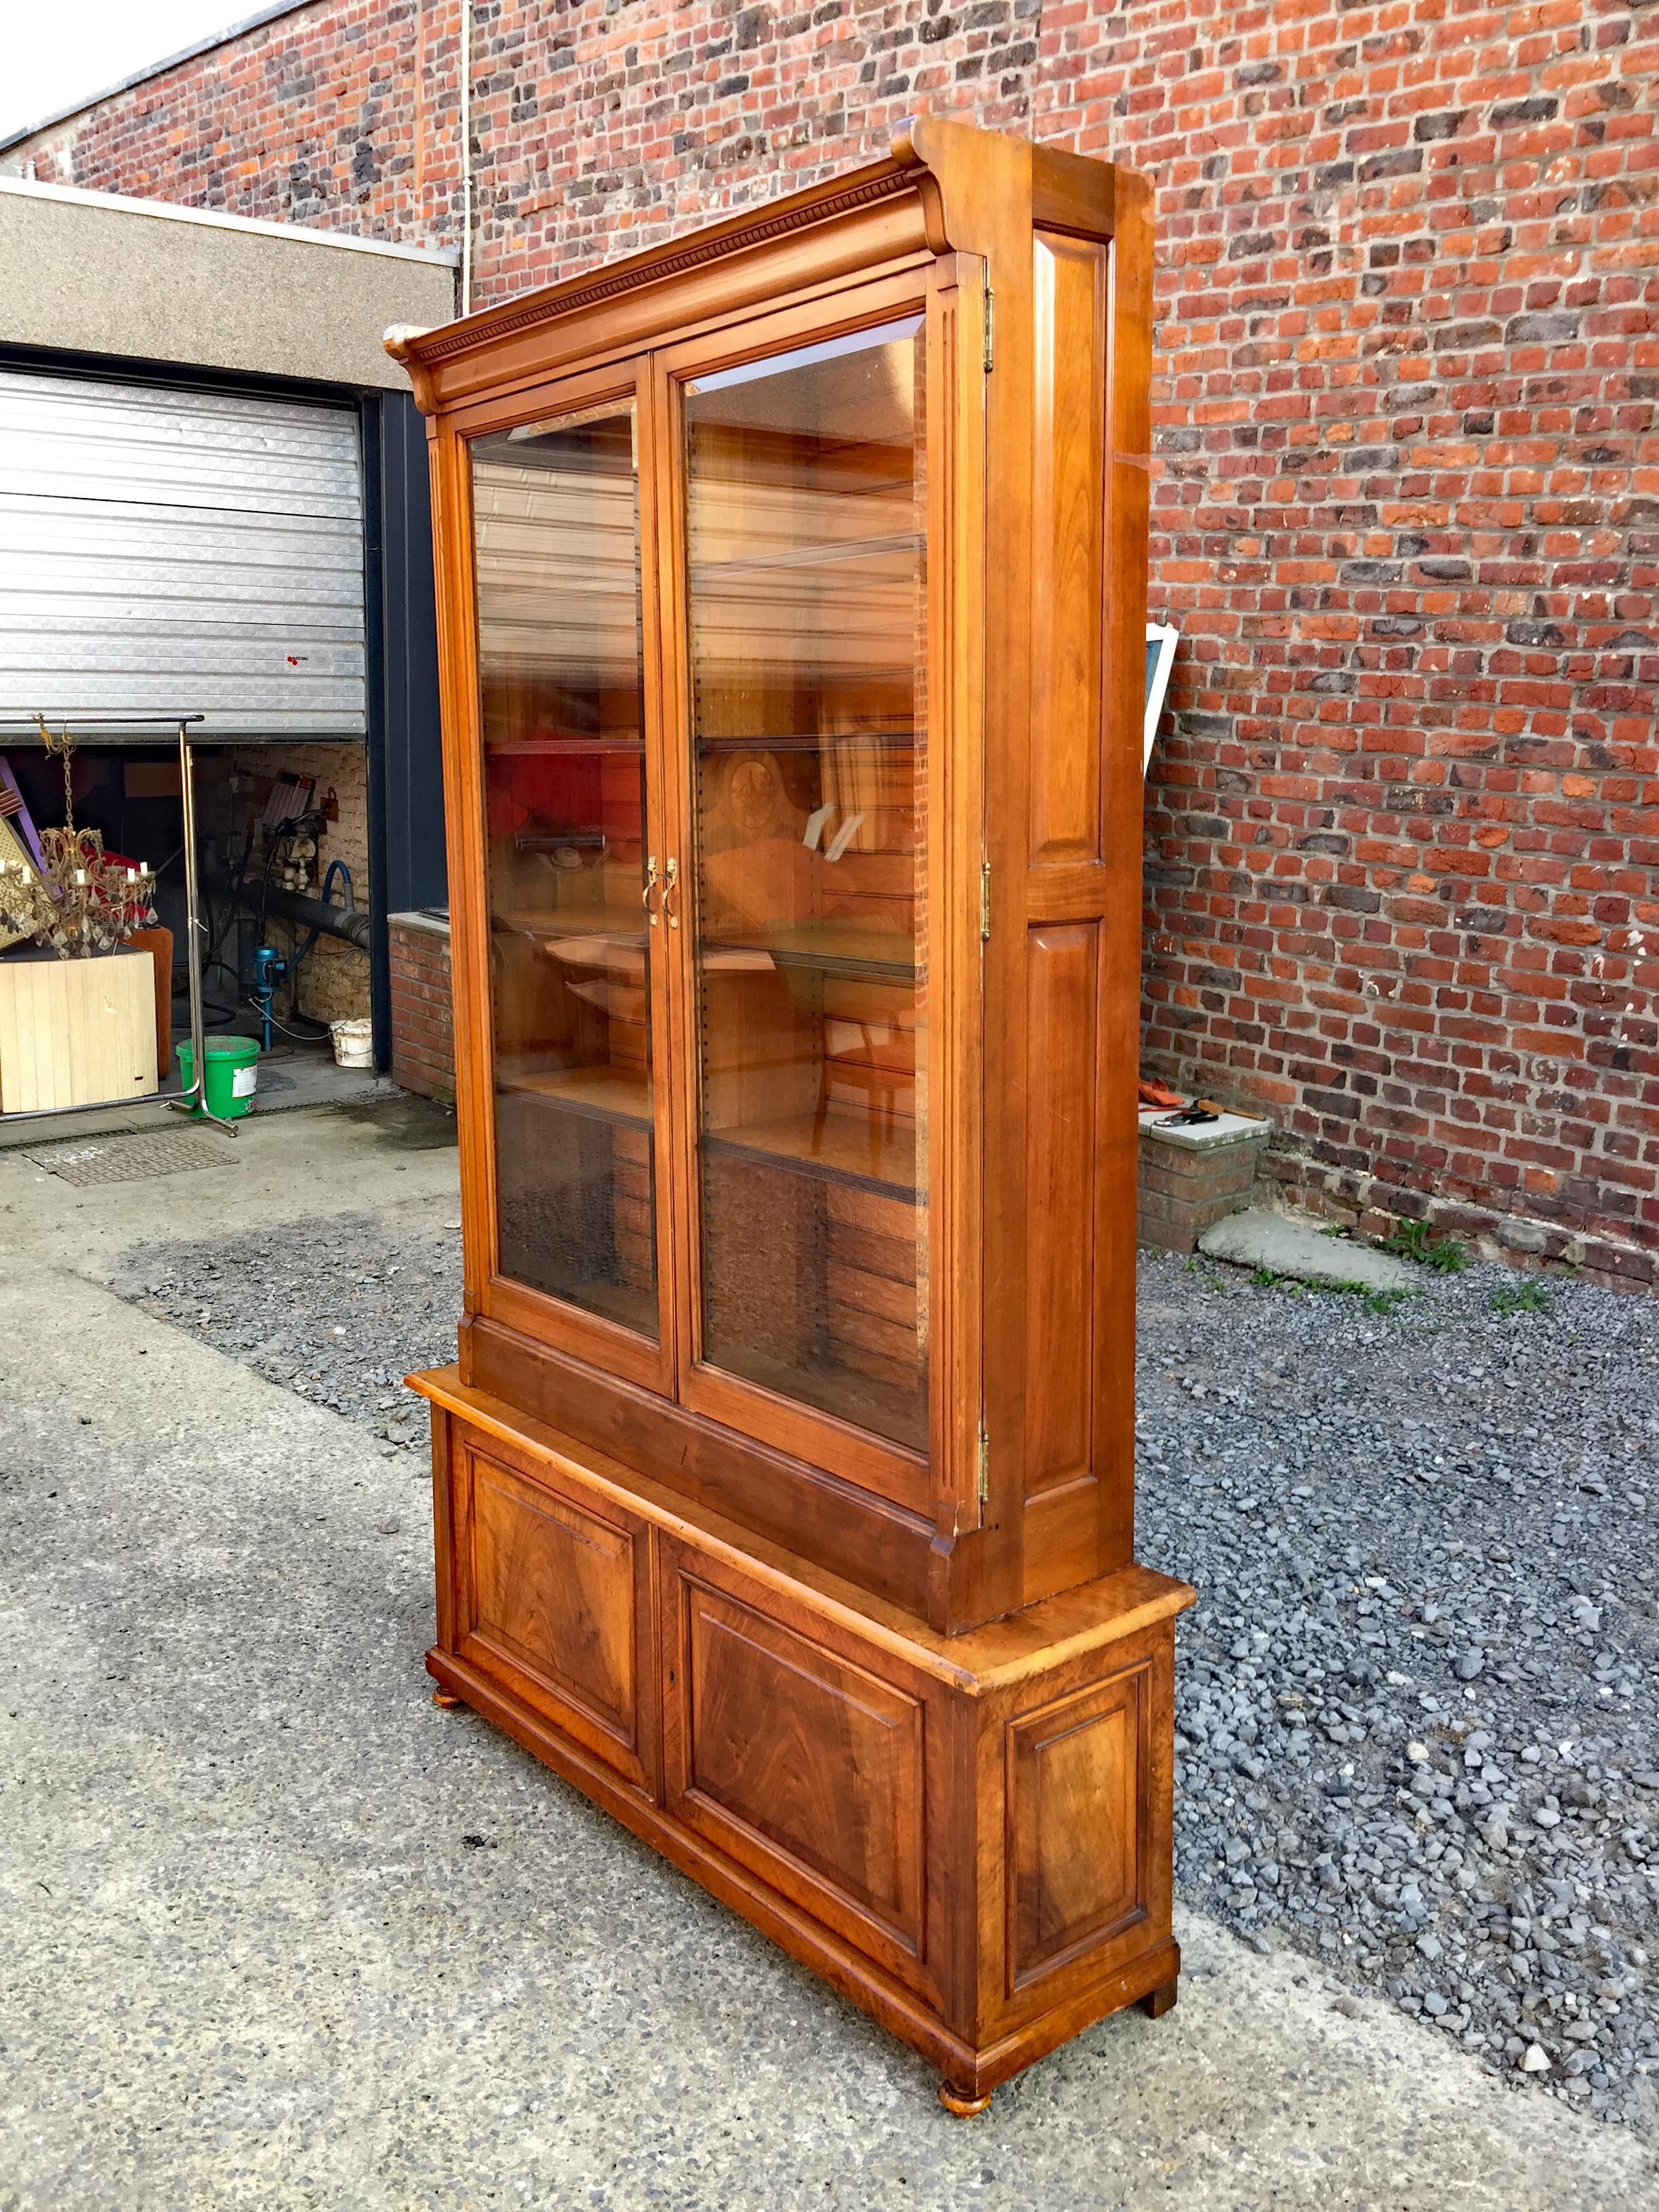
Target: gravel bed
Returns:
[[339, 1310], [1416, 1718], [1416, 1714]]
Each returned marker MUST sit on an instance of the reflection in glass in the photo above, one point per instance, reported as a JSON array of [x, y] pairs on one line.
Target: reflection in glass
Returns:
[[556, 519], [805, 499]]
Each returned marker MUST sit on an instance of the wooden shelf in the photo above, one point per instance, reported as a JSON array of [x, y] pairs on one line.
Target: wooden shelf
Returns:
[[830, 1147], [828, 553], [603, 1094], [570, 744], [841, 952], [582, 940], [808, 741]]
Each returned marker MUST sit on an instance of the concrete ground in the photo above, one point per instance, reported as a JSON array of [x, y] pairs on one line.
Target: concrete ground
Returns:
[[278, 1933]]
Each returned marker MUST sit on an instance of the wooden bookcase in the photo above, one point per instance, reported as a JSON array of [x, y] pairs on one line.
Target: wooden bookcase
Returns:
[[792, 605]]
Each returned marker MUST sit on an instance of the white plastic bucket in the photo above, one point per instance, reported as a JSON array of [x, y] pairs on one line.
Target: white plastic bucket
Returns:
[[354, 1042]]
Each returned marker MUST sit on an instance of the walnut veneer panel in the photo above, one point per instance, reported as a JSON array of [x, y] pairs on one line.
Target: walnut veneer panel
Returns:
[[549, 1591], [804, 1765], [1074, 1775]]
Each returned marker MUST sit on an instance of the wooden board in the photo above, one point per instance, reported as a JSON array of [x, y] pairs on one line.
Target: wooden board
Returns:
[[76, 1032]]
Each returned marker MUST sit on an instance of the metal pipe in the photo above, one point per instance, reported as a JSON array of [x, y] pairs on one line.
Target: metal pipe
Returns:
[[194, 1101], [353, 925], [466, 157]]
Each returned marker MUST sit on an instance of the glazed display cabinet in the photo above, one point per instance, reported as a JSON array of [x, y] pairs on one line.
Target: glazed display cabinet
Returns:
[[792, 603]]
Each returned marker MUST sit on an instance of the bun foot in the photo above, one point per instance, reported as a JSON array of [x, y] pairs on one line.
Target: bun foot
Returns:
[[445, 1699], [961, 2104], [1157, 2001]]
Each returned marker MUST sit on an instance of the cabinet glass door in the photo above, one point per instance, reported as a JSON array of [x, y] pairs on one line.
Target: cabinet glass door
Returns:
[[557, 523], [805, 593]]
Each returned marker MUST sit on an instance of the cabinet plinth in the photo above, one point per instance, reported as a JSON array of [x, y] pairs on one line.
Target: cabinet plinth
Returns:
[[791, 586]]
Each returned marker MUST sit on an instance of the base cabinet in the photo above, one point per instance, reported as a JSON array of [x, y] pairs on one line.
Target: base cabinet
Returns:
[[968, 1835]]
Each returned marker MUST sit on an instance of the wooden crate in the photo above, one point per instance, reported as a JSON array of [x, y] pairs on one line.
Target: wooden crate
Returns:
[[76, 1032]]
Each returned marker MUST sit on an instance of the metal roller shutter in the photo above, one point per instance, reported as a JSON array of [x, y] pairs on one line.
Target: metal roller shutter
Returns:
[[165, 550]]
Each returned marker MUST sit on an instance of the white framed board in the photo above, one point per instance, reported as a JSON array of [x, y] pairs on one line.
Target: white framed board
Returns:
[[1160, 660]]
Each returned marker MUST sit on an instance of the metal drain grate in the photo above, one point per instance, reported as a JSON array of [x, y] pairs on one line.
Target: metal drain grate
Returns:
[[129, 1160]]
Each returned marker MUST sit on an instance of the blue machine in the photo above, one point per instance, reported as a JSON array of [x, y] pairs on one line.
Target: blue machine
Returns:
[[268, 969]]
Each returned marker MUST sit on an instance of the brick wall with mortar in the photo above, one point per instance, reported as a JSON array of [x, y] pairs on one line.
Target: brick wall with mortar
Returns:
[[334, 978], [1185, 1188], [423, 1031], [1402, 826]]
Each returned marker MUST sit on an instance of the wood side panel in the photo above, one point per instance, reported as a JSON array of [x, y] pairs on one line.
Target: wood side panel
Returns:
[[1076, 1773], [1062, 1538], [1067, 544], [1062, 996], [1072, 191], [443, 1524], [1074, 1781], [1127, 494]]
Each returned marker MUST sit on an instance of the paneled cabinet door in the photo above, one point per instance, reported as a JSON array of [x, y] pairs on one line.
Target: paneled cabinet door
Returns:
[[796, 527], [564, 935]]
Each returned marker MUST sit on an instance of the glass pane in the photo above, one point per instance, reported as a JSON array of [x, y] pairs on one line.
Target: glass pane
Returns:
[[556, 519], [807, 583]]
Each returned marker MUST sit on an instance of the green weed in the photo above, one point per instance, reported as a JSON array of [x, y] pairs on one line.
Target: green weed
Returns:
[[1416, 1241], [1379, 1302], [1529, 1297]]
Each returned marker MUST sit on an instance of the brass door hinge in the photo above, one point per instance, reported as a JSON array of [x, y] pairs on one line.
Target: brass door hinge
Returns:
[[990, 317], [984, 1468], [984, 900]]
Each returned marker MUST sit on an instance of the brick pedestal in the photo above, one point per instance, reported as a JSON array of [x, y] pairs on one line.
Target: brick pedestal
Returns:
[[423, 1031], [1191, 1177]]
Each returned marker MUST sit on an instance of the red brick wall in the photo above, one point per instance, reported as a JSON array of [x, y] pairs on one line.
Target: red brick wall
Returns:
[[423, 1034], [1403, 827]]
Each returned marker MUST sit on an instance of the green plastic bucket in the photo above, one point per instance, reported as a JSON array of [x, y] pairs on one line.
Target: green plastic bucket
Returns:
[[232, 1069]]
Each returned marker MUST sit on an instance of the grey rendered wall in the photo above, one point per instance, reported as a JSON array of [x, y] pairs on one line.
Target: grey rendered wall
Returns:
[[89, 274]]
